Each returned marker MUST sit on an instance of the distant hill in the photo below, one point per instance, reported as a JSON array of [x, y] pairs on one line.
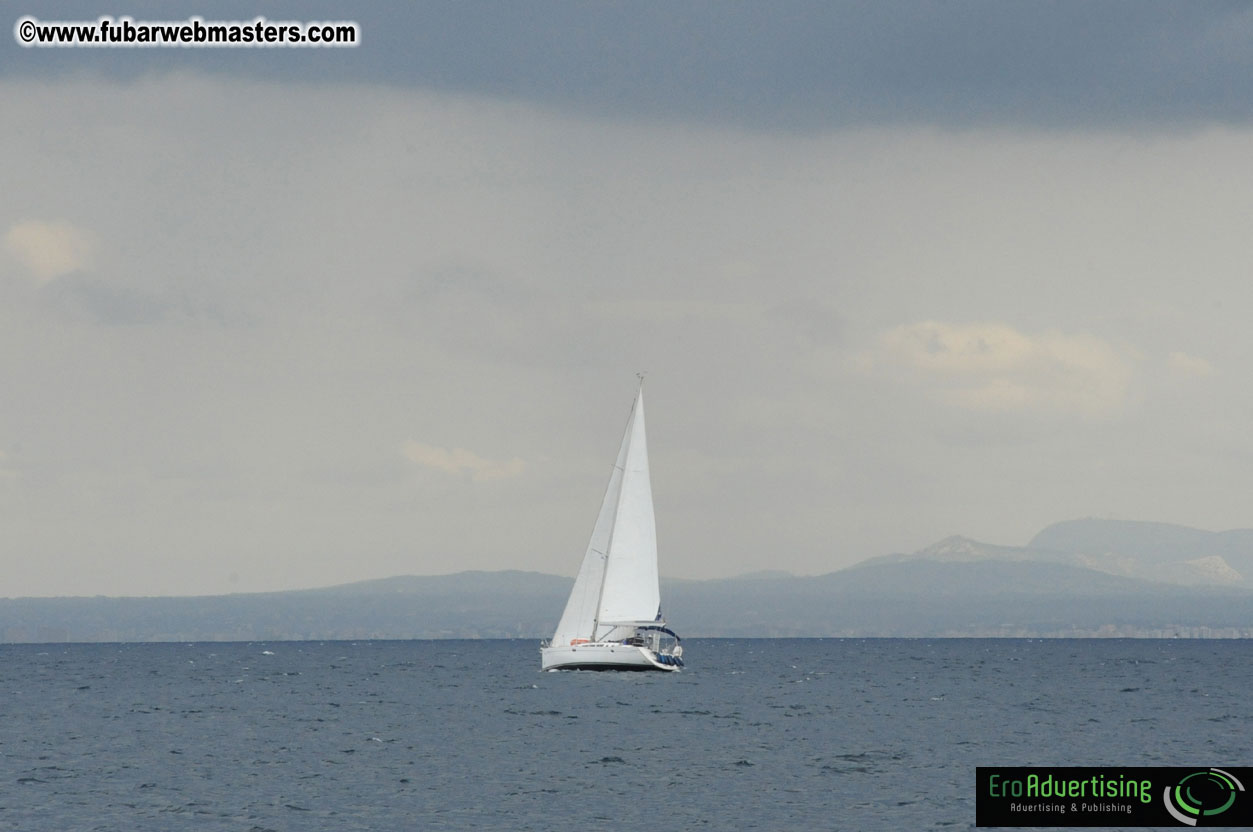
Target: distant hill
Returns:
[[465, 605], [1083, 578], [511, 582], [1157, 551], [916, 596]]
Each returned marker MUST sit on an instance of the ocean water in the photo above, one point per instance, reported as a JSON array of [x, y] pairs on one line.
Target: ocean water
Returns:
[[754, 734]]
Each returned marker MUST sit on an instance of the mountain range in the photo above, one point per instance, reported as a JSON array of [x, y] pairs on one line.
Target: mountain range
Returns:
[[1087, 577]]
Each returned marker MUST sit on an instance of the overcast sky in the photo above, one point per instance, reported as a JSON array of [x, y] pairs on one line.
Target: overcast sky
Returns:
[[280, 318]]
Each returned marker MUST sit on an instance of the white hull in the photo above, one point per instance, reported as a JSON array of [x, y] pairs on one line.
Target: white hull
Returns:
[[604, 656]]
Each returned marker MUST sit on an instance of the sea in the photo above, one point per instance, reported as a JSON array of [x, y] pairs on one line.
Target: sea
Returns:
[[787, 734]]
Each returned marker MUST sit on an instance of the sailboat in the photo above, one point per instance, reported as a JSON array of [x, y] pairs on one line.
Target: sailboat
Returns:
[[612, 620]]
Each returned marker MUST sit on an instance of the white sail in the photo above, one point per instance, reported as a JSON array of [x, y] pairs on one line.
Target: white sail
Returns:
[[631, 592], [579, 618]]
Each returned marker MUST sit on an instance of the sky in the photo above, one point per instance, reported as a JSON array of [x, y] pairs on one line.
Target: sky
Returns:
[[285, 318]]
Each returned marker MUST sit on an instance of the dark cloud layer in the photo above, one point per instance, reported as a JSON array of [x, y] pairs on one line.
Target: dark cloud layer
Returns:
[[797, 64]]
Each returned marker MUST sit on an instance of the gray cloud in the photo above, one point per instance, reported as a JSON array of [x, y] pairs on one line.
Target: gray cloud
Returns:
[[387, 264], [104, 303], [796, 64]]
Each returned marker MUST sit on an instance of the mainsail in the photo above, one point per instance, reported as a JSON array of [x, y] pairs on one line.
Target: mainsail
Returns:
[[617, 582]]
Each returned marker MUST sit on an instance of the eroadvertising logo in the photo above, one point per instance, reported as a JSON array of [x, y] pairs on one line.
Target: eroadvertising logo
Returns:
[[1113, 796]]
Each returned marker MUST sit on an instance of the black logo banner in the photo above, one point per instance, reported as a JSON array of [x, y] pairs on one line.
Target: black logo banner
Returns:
[[1114, 796]]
